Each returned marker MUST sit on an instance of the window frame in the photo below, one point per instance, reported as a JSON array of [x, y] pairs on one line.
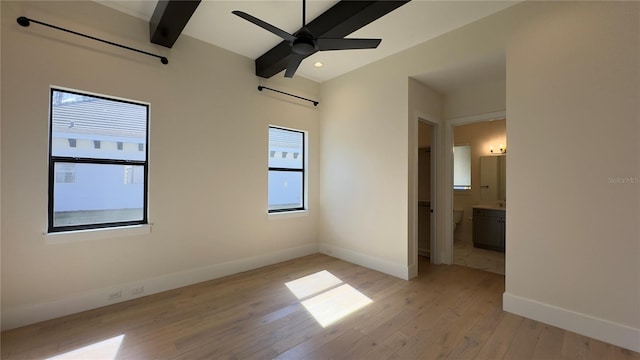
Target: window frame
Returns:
[[52, 160], [303, 170]]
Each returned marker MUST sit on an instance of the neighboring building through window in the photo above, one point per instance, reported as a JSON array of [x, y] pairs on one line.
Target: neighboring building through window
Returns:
[[286, 190], [94, 142]]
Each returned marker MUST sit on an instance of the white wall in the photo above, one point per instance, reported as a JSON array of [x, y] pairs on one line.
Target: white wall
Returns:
[[574, 237], [572, 90], [363, 198], [208, 161]]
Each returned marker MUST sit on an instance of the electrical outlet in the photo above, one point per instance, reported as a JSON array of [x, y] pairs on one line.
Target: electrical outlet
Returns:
[[137, 290], [329, 251], [115, 295]]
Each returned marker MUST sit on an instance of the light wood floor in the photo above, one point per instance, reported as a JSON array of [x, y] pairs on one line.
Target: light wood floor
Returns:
[[447, 312]]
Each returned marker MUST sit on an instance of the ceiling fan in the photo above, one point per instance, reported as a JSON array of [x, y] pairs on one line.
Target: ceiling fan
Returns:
[[304, 43]]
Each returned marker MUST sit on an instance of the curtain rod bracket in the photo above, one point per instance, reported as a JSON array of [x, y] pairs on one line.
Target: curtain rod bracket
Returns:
[[314, 102], [25, 21]]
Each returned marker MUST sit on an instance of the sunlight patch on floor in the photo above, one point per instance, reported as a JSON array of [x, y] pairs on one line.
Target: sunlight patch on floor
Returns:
[[327, 298], [335, 304], [313, 284], [103, 350]]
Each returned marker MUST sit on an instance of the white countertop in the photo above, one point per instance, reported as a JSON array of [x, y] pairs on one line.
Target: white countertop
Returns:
[[490, 207]]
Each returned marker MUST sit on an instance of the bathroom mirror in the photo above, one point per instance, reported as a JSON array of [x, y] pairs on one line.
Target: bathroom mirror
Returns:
[[493, 171]]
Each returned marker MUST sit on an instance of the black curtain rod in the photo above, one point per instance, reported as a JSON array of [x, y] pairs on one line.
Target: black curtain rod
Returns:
[[25, 21], [315, 103]]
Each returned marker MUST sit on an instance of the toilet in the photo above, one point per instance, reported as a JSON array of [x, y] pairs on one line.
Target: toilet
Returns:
[[457, 217]]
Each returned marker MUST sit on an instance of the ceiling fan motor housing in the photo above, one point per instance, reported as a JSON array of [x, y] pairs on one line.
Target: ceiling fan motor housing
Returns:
[[303, 43], [303, 46]]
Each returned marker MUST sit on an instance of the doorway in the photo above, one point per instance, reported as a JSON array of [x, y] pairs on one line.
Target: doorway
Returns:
[[426, 183], [481, 206]]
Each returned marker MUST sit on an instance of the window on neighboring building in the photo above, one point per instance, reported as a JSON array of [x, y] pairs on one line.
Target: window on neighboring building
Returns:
[[65, 173], [286, 170], [86, 187]]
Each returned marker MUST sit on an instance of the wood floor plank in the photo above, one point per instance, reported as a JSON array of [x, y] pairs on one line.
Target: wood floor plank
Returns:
[[550, 342], [459, 321], [470, 345], [500, 339], [525, 340], [449, 322], [387, 348], [446, 312], [575, 346], [340, 347]]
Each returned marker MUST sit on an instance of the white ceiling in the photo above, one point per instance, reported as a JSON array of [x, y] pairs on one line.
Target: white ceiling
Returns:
[[409, 25]]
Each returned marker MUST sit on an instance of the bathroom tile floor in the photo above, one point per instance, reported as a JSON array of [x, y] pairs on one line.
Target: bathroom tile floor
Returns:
[[466, 255]]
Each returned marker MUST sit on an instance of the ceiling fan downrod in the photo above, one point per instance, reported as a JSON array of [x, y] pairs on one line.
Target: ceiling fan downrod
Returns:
[[304, 13], [304, 43]]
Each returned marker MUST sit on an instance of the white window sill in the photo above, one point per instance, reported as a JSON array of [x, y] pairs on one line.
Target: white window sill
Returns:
[[287, 214], [96, 234]]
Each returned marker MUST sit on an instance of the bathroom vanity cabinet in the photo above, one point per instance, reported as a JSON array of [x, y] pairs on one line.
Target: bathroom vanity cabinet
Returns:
[[488, 228]]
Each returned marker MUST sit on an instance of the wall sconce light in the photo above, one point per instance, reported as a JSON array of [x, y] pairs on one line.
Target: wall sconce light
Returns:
[[502, 150]]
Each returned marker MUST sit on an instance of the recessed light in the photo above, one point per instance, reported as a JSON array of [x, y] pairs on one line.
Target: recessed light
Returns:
[[318, 64]]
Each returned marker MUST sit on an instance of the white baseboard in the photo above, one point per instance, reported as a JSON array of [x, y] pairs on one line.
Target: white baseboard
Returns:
[[398, 270], [587, 325], [33, 313]]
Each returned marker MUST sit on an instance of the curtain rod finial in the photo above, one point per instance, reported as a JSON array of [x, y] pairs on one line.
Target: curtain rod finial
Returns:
[[23, 21]]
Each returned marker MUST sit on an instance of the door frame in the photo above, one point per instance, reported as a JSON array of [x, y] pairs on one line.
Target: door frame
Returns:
[[436, 166]]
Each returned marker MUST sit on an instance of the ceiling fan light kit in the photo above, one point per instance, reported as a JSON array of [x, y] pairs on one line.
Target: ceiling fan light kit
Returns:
[[304, 43]]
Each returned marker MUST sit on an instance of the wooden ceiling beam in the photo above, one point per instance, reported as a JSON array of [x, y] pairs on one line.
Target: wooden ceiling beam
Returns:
[[169, 19]]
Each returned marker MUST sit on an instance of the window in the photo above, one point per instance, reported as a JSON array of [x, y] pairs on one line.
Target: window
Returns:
[[286, 170], [86, 187], [462, 167]]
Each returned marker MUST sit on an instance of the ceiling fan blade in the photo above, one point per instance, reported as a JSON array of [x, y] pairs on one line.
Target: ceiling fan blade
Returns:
[[346, 44], [254, 20], [292, 66]]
